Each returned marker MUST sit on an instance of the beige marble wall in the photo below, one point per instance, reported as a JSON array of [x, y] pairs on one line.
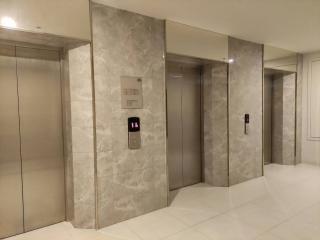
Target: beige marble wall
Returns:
[[215, 124], [267, 117], [130, 182], [67, 134], [277, 119], [245, 96], [289, 111], [82, 137], [283, 120], [299, 109]]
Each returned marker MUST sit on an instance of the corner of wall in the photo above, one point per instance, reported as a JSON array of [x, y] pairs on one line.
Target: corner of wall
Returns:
[[245, 88], [215, 124], [299, 109], [130, 182], [82, 137]]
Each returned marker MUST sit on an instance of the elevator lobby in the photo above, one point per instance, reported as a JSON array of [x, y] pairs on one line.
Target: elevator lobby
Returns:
[[159, 120]]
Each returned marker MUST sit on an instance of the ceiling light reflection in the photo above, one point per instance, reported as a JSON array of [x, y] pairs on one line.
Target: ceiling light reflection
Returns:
[[8, 22]]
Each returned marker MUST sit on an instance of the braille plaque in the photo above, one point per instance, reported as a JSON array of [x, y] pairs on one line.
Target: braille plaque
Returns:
[[131, 92]]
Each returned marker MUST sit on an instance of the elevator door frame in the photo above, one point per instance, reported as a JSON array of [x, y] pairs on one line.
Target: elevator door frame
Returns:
[[187, 62], [44, 53], [275, 72]]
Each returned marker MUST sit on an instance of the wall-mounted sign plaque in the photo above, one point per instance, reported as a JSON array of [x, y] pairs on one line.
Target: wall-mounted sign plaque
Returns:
[[131, 92]]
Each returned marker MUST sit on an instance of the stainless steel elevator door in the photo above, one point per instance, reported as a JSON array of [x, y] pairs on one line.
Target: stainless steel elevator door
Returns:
[[174, 118], [184, 125], [191, 126], [39, 89], [11, 208]]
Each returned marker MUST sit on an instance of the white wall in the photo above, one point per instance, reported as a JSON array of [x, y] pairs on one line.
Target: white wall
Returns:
[[69, 18], [194, 42], [285, 64], [273, 53], [311, 109]]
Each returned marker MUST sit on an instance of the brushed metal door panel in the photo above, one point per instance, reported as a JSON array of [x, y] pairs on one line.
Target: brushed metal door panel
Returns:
[[41, 140], [11, 207], [174, 88], [191, 125], [184, 124]]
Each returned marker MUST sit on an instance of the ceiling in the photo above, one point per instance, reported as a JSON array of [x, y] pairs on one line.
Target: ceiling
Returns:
[[288, 24], [272, 53]]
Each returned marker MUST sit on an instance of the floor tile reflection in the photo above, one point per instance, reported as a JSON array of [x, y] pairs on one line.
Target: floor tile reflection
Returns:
[[282, 205]]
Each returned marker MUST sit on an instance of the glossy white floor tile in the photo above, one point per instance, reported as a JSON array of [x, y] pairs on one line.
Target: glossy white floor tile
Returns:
[[188, 216], [261, 209], [296, 229], [189, 234], [258, 218], [283, 205], [227, 228], [62, 231], [121, 231], [155, 225], [268, 236]]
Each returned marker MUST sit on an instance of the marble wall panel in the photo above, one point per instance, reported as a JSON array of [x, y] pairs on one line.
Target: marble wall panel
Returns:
[[82, 137], [289, 111], [283, 119], [245, 96], [84, 191], [299, 109], [277, 119], [267, 119], [215, 124], [130, 182]]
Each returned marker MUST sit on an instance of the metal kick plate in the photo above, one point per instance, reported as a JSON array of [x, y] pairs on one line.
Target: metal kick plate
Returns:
[[131, 92]]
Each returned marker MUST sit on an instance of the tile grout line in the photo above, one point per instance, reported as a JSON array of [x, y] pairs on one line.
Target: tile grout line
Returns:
[[193, 226], [288, 219], [209, 219], [239, 206]]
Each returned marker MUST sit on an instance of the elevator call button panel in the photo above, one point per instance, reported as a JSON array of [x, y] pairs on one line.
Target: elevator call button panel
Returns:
[[134, 136], [247, 118], [246, 123], [131, 92]]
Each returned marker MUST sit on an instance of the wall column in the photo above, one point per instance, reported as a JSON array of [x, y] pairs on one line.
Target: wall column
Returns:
[[245, 97], [82, 138], [215, 124]]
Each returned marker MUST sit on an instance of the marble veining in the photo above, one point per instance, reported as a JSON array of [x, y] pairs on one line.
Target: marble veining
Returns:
[[282, 205], [283, 119], [267, 116], [277, 119], [82, 137], [130, 182], [289, 119], [215, 123], [299, 108], [245, 96]]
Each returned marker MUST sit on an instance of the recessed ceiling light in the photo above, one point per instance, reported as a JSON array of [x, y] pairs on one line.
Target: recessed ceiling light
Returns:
[[8, 22], [231, 60]]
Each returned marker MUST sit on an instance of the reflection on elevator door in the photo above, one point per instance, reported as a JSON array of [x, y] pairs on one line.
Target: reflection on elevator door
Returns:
[[31, 151], [184, 125]]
